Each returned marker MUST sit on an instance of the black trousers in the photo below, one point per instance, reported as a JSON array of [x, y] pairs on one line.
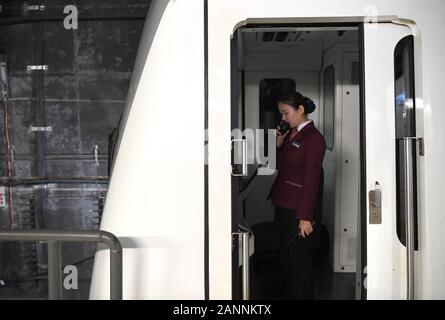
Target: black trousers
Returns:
[[297, 255]]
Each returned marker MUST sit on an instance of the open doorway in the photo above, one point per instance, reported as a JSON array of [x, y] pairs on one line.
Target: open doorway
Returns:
[[322, 63]]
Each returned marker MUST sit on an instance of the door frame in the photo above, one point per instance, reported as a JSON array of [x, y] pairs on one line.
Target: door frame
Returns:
[[359, 22], [362, 217]]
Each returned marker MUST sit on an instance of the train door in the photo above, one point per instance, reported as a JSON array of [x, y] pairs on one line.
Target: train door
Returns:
[[390, 156], [266, 63], [387, 221]]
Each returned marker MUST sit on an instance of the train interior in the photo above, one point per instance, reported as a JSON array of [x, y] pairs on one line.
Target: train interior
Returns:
[[323, 64]]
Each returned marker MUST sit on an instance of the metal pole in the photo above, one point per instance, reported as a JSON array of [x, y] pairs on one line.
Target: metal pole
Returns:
[[243, 159], [54, 271], [115, 275], [115, 265], [245, 253], [409, 210]]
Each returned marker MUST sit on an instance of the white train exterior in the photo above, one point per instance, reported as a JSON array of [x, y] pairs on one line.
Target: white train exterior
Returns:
[[170, 199]]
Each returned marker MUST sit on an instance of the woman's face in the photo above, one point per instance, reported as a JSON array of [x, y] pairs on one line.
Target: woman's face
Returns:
[[293, 116]]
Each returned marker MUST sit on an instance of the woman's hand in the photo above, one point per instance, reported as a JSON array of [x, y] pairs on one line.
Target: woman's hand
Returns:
[[280, 137], [305, 228]]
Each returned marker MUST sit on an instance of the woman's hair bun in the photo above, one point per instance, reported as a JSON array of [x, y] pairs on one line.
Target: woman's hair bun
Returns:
[[309, 105]]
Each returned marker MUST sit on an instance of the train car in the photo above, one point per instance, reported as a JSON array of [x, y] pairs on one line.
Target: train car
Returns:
[[194, 159]]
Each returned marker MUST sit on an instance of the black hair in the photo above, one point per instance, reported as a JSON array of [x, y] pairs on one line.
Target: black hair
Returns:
[[295, 99]]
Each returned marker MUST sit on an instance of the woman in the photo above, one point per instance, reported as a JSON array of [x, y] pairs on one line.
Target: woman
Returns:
[[300, 153]]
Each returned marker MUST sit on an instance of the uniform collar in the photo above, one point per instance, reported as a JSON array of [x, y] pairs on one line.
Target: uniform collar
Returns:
[[302, 125], [305, 126]]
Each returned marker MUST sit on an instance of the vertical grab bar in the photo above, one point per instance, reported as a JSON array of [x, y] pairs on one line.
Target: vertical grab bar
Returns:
[[245, 253], [244, 237], [244, 158], [409, 214]]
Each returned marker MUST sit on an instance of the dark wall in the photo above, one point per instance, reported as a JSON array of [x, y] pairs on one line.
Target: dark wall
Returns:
[[57, 181]]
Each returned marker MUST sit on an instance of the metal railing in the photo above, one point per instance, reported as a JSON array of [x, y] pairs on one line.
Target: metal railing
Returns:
[[243, 236], [54, 238], [409, 215]]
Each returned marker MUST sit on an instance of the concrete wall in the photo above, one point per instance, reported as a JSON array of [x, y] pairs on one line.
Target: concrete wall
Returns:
[[80, 97]]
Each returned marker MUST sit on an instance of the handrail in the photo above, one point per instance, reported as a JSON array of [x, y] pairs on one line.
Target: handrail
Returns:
[[54, 237], [409, 215], [244, 237]]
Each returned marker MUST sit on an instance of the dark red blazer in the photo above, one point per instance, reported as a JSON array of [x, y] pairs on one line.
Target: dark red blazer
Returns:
[[299, 166]]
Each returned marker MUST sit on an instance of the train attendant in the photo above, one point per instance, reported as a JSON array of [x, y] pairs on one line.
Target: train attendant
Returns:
[[300, 153]]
